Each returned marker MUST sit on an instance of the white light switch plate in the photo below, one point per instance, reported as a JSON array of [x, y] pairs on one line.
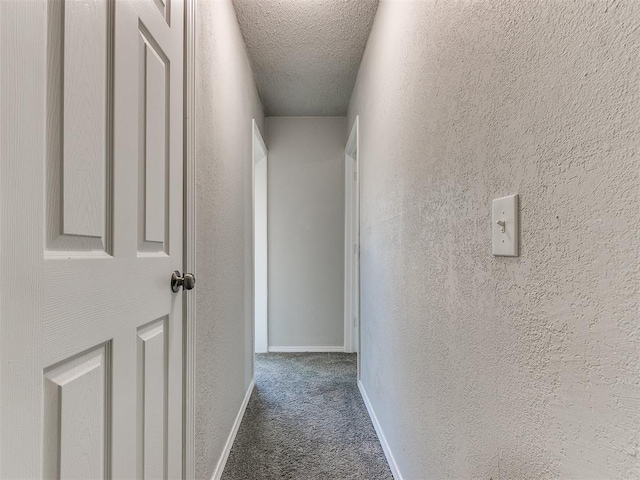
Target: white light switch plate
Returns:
[[505, 237]]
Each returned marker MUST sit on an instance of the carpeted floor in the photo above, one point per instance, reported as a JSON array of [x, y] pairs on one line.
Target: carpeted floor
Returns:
[[306, 420]]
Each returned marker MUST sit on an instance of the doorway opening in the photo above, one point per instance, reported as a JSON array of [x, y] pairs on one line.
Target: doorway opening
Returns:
[[352, 245], [260, 250]]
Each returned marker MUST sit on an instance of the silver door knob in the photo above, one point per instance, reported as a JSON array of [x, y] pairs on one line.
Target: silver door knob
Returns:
[[188, 281]]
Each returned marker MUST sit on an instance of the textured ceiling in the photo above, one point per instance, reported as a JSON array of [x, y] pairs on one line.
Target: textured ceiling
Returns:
[[305, 54]]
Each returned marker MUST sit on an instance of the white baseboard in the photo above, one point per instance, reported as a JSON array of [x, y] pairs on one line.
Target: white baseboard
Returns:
[[393, 466], [217, 473], [306, 349]]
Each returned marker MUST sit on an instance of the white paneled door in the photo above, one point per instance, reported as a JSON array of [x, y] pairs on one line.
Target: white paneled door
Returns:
[[91, 229]]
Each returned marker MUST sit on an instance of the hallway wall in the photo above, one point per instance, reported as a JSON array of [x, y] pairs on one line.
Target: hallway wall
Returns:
[[486, 367], [306, 231], [227, 100]]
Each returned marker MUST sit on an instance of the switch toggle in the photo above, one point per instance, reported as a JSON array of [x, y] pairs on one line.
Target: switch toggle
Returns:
[[504, 234]]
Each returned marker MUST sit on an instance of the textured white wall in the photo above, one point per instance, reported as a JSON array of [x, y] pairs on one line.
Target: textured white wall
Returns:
[[478, 366], [227, 100], [306, 230]]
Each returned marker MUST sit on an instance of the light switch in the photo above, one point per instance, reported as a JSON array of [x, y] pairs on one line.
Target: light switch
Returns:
[[504, 228]]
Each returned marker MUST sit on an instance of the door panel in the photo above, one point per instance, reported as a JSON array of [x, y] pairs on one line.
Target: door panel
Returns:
[[164, 7], [105, 397], [76, 417], [154, 93], [79, 111], [152, 399], [85, 27]]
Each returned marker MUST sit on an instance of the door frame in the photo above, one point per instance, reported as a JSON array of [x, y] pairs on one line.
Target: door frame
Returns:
[[352, 241], [264, 342], [189, 315]]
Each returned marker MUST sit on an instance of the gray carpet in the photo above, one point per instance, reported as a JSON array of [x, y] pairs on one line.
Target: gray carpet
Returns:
[[306, 420]]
